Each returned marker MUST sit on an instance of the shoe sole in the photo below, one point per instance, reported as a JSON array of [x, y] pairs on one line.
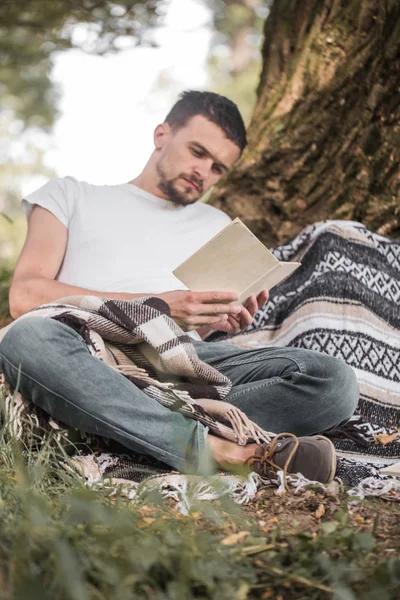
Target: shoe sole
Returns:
[[334, 459]]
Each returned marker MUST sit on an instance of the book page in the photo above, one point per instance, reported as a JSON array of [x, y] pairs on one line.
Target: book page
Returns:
[[234, 261], [281, 272]]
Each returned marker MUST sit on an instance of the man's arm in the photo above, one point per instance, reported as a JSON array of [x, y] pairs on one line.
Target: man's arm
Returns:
[[41, 258], [39, 262]]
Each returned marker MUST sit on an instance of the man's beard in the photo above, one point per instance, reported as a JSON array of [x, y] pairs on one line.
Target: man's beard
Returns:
[[168, 187]]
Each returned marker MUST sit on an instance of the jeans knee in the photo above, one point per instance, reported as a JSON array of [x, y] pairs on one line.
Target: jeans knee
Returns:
[[25, 329], [334, 384], [345, 391]]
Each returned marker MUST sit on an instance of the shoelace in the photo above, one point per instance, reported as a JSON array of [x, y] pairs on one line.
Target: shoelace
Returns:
[[266, 459]]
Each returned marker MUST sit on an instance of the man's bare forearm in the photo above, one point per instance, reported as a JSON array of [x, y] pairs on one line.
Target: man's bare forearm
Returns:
[[25, 294]]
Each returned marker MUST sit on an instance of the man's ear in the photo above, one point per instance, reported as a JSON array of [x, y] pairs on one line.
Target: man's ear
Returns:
[[161, 134]]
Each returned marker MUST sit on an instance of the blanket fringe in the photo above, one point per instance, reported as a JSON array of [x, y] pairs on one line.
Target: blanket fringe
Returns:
[[132, 370], [245, 429], [388, 489]]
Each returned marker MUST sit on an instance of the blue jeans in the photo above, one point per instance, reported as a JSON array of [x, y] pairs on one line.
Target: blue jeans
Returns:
[[281, 389]]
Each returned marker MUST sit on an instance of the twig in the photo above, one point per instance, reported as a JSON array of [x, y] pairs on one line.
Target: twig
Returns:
[[298, 578], [255, 549]]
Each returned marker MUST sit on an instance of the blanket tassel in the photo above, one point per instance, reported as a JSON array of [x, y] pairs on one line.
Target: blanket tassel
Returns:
[[245, 429]]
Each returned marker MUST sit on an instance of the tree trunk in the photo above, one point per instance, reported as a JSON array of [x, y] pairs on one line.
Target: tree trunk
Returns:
[[324, 140]]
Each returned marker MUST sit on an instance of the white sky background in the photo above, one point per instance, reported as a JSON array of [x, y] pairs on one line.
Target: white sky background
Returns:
[[110, 105]]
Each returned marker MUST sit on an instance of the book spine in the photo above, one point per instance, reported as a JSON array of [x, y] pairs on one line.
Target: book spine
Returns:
[[255, 284]]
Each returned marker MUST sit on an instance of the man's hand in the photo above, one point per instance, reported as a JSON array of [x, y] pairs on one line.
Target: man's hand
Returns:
[[237, 323], [193, 310]]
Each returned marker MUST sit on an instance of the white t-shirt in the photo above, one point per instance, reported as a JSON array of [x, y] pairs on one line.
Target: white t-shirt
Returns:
[[121, 238]]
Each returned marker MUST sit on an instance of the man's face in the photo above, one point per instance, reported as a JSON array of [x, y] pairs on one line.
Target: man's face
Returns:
[[192, 159]]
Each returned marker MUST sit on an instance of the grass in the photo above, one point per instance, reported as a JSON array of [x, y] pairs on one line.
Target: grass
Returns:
[[61, 540]]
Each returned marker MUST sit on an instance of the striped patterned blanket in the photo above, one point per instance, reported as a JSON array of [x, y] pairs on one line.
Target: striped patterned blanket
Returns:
[[344, 301]]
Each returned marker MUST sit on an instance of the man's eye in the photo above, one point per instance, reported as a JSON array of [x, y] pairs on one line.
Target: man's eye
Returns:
[[197, 153], [217, 170]]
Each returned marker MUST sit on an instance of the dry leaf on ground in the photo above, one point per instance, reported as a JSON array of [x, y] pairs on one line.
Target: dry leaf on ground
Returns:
[[384, 438], [234, 538]]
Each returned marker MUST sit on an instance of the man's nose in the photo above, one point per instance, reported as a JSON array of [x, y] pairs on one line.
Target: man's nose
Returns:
[[202, 169]]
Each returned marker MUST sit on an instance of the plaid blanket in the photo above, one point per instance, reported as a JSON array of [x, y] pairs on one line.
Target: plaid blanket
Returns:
[[140, 340], [344, 301]]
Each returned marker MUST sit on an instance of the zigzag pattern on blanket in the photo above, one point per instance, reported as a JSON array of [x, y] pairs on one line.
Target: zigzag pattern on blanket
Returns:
[[346, 307], [343, 301]]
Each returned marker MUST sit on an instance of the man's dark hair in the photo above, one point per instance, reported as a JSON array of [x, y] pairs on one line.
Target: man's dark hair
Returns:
[[217, 109]]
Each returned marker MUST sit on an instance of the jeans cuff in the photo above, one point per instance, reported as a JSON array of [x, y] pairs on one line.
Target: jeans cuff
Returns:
[[206, 464]]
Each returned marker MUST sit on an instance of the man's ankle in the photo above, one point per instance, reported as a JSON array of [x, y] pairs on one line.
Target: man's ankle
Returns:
[[225, 452]]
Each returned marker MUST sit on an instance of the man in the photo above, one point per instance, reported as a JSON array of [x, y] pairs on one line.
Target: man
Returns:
[[123, 242]]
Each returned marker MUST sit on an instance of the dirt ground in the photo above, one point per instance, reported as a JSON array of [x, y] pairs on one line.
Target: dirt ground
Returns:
[[307, 511]]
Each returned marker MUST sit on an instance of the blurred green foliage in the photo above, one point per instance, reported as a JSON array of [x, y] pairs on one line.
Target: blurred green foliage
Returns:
[[12, 235], [235, 55], [60, 540], [31, 31], [5, 281]]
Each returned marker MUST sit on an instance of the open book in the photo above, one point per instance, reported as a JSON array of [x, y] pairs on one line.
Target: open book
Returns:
[[234, 261]]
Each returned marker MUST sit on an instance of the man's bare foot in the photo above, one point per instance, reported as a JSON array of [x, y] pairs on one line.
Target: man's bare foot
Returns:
[[227, 453], [312, 456]]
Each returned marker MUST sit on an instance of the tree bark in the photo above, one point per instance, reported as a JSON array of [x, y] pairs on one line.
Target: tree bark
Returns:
[[324, 140]]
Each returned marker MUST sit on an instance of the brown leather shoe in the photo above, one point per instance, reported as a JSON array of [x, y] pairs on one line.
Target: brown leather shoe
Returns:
[[312, 456]]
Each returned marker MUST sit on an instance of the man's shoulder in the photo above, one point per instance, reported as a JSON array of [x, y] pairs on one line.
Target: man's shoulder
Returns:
[[65, 181], [71, 187], [69, 181], [58, 186]]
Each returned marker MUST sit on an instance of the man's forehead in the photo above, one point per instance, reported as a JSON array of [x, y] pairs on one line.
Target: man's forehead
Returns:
[[200, 125], [199, 129]]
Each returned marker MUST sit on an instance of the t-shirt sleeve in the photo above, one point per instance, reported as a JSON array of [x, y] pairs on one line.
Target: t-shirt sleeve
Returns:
[[59, 196]]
